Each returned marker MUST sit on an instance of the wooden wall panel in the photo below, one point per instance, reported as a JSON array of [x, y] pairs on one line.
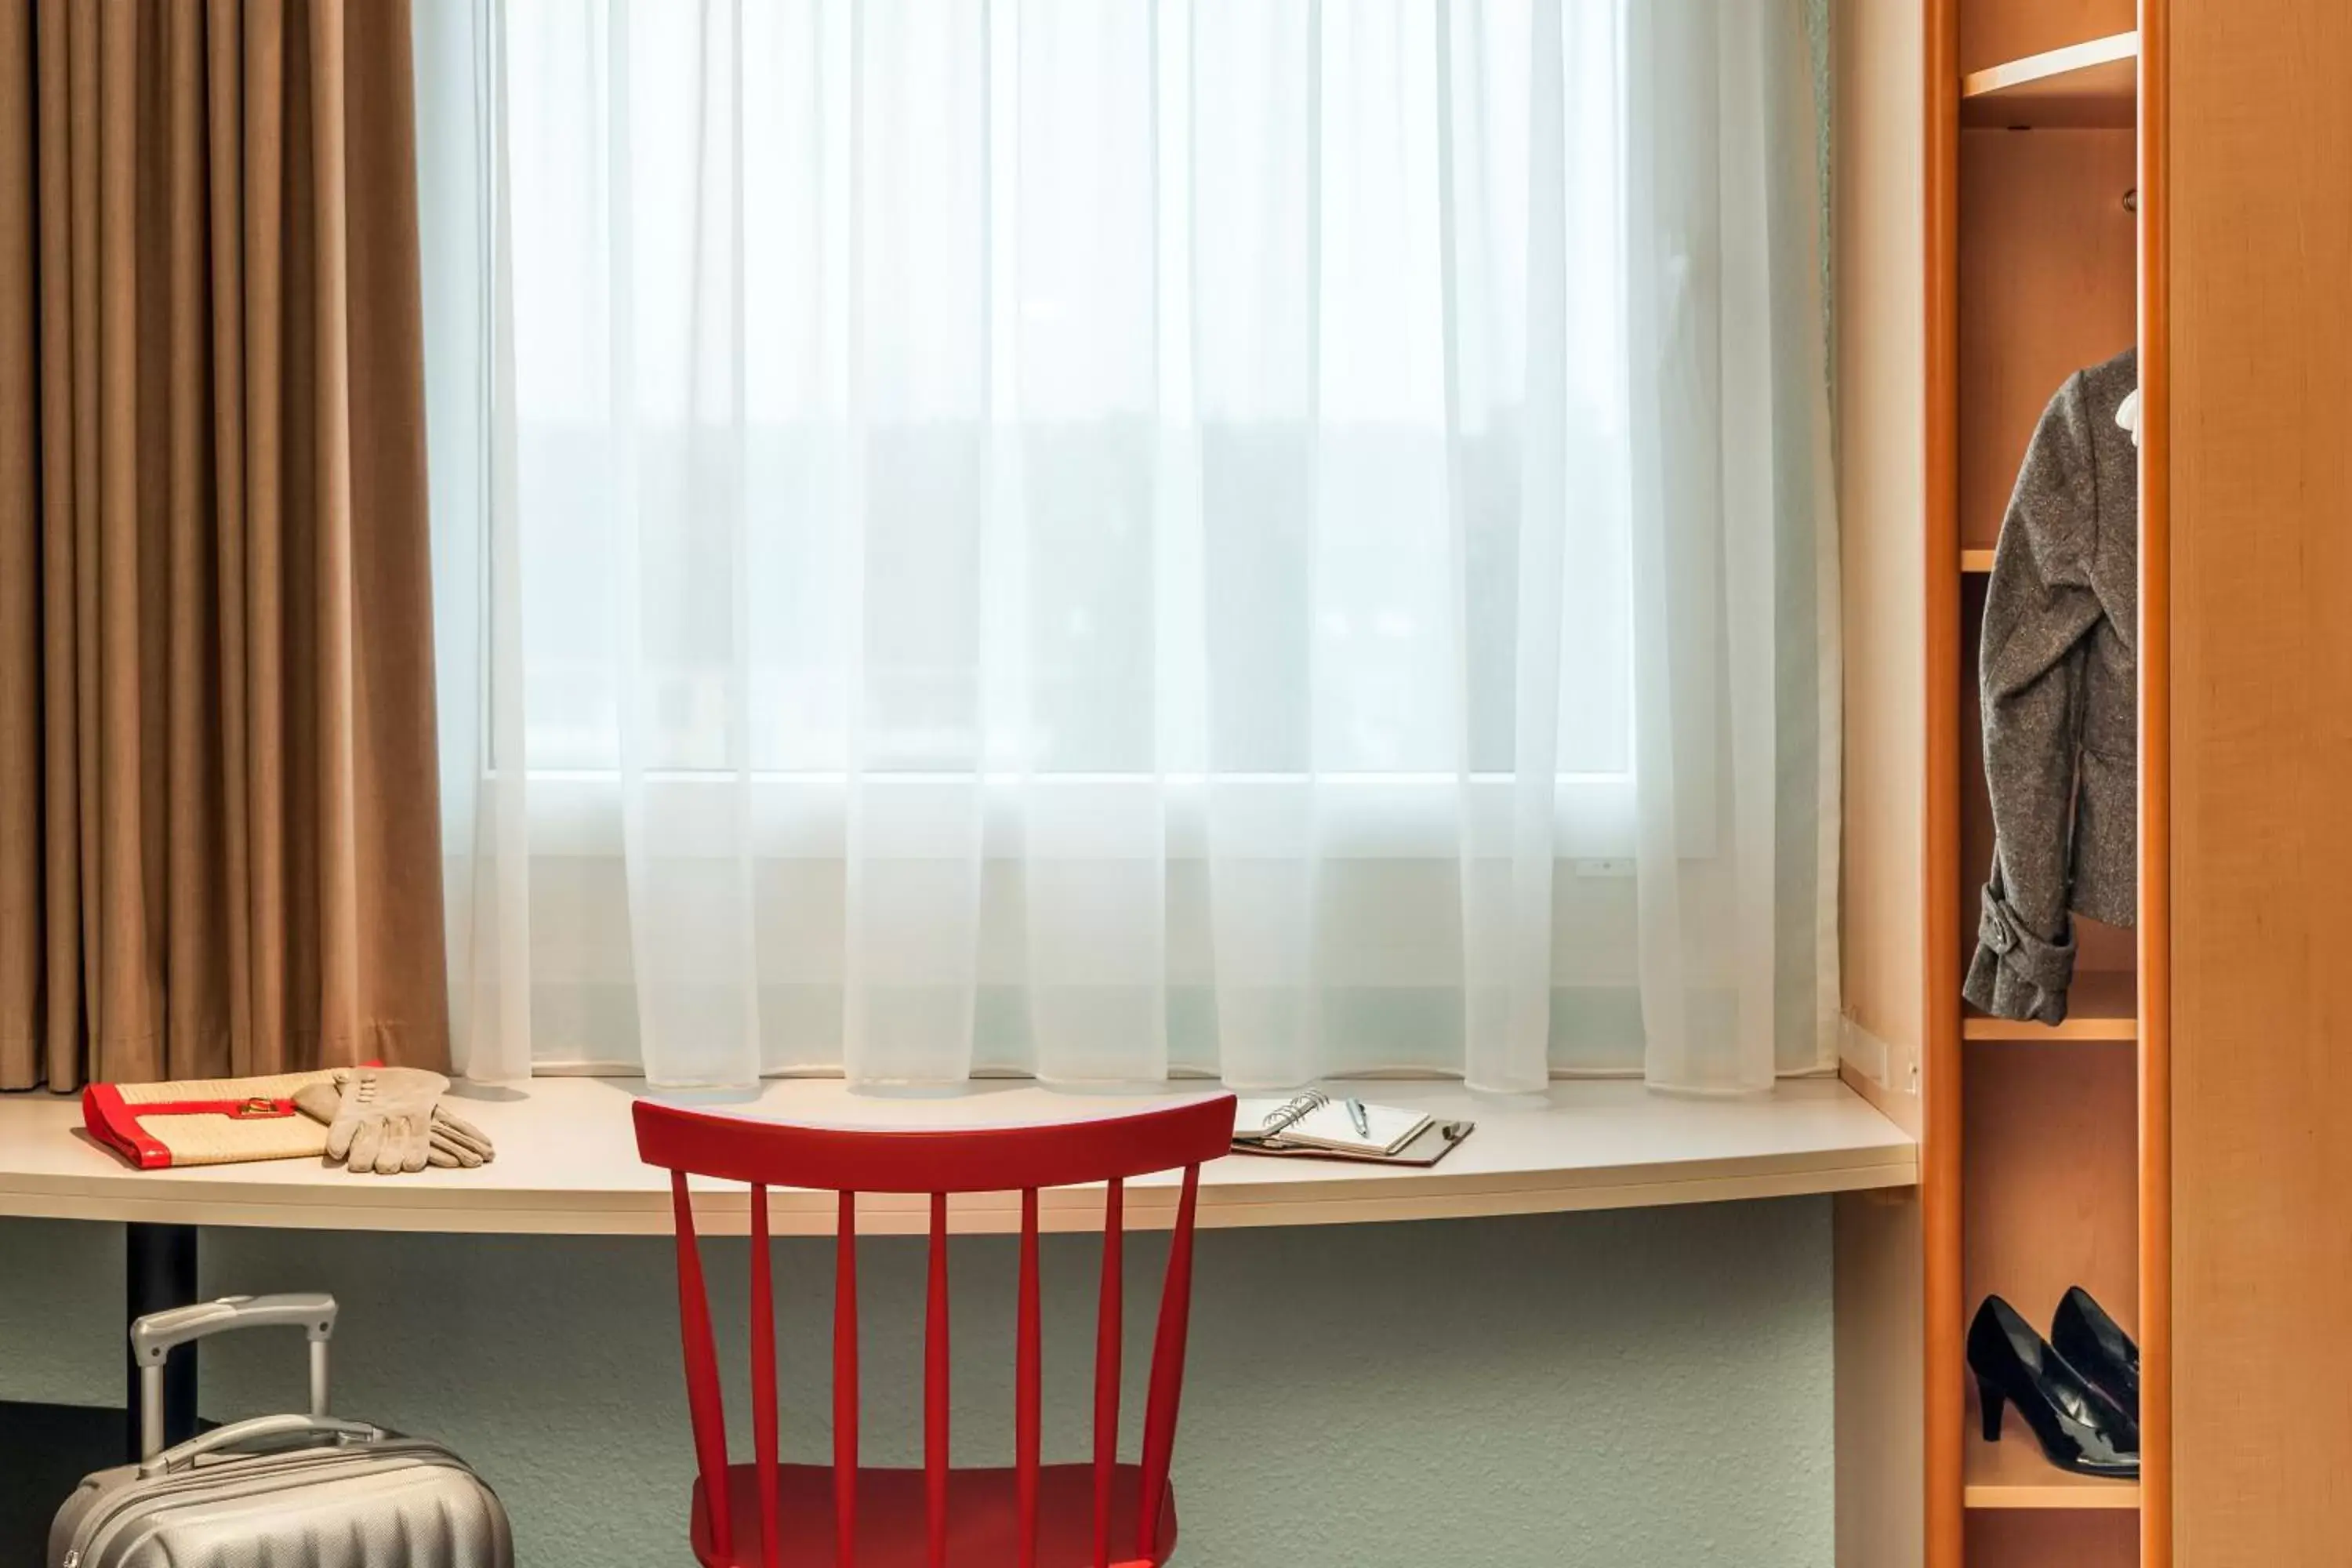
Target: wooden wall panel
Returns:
[[1992, 31], [2052, 1176], [1880, 1423], [2045, 289], [2039, 1538], [2259, 474], [1881, 419], [1879, 69]]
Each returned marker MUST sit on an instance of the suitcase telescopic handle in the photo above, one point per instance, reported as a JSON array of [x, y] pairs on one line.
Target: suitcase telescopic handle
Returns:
[[153, 1336], [260, 1430]]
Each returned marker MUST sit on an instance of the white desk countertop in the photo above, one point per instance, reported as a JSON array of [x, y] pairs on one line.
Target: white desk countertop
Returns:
[[567, 1164]]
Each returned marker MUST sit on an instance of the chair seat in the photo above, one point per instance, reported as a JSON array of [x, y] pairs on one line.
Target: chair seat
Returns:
[[893, 1518]]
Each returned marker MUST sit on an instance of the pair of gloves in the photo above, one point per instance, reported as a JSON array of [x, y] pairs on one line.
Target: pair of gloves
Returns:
[[389, 1119]]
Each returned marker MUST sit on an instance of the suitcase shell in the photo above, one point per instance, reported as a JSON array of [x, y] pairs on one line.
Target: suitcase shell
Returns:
[[281, 1491], [390, 1502]]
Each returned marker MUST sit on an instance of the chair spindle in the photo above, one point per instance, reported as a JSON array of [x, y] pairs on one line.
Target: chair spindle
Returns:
[[935, 1387], [1028, 1396], [764, 1393], [1107, 1368], [1167, 1368], [845, 1384], [704, 1405]]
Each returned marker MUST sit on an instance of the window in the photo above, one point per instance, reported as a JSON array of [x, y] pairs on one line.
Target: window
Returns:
[[1100, 538]]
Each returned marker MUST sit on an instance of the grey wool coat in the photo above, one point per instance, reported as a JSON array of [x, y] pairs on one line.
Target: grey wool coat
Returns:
[[2056, 672]]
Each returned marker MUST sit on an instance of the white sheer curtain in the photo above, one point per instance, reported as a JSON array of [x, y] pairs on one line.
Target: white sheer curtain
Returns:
[[1105, 538]]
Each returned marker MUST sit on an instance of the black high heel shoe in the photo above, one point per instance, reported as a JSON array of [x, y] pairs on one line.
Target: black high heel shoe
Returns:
[[2079, 1428], [2094, 1346]]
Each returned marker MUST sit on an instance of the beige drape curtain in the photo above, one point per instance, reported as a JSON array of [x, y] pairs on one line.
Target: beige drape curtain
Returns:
[[219, 836]]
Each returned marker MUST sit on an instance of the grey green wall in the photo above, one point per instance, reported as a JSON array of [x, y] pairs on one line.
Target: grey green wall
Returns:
[[1645, 1389]]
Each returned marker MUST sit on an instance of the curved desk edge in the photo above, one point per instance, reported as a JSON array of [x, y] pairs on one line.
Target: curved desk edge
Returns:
[[567, 1165]]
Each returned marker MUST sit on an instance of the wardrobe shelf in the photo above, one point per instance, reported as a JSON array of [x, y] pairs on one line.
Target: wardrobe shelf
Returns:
[[2103, 1004], [1976, 561], [2092, 84], [2012, 1473]]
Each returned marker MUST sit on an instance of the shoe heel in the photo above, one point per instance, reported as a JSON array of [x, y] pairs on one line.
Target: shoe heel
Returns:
[[1990, 1400]]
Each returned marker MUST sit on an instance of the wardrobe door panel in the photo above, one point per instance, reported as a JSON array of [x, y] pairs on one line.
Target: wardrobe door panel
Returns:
[[2260, 588]]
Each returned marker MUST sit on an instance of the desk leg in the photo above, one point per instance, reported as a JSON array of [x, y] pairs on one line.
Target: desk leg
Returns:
[[159, 1271]]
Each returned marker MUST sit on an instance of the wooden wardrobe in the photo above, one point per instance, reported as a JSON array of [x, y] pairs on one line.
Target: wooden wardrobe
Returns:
[[2022, 188]]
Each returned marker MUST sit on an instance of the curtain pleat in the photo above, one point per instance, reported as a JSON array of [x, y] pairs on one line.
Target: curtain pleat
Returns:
[[219, 845]]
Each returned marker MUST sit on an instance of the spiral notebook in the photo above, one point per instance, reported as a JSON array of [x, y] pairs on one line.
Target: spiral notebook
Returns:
[[1322, 1125]]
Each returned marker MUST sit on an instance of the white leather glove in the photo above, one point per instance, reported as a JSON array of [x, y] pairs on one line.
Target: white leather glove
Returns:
[[458, 1143], [453, 1142], [383, 1120]]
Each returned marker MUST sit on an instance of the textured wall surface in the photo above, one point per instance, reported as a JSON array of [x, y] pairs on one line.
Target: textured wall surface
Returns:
[[1631, 1390]]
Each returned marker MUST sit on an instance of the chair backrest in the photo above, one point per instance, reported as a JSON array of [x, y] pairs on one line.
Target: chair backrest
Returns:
[[764, 1153]]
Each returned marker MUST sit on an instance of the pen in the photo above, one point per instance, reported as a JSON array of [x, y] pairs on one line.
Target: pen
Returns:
[[1355, 1114]]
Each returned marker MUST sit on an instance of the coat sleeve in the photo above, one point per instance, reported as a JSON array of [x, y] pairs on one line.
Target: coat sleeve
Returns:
[[2038, 611]]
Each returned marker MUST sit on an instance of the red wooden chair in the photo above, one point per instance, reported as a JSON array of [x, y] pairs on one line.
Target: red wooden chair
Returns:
[[1031, 1516]]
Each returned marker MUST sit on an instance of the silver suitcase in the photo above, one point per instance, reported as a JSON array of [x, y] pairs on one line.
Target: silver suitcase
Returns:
[[279, 1491]]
